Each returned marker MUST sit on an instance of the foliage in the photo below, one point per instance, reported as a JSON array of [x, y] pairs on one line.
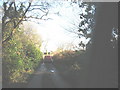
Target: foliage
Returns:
[[31, 34], [14, 13], [70, 63], [12, 17], [20, 58], [88, 18], [66, 54], [20, 54], [86, 26]]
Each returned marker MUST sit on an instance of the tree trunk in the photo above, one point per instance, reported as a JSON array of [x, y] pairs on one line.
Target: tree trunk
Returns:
[[103, 68]]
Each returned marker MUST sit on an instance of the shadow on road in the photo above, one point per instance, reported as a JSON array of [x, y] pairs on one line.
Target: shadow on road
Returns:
[[46, 76]]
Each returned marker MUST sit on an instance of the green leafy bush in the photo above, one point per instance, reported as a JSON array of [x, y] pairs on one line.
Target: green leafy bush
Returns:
[[20, 58]]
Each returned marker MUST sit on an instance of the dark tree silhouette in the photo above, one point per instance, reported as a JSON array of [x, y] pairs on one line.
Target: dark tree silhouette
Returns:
[[14, 15], [103, 64], [82, 45]]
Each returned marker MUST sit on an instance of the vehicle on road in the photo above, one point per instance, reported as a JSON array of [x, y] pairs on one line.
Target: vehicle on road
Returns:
[[47, 59]]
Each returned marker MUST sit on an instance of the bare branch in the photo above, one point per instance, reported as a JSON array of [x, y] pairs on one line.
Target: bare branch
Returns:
[[38, 9], [38, 18], [46, 13], [9, 37], [36, 5]]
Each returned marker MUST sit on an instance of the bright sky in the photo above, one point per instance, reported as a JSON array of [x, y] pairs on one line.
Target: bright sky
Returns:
[[53, 31]]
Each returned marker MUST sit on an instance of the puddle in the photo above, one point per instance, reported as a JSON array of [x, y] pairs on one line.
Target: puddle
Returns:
[[52, 71]]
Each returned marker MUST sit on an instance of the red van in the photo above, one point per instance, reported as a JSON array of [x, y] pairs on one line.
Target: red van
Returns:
[[48, 59]]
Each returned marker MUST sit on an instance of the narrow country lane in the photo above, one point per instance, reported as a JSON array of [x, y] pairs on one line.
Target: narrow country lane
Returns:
[[47, 76]]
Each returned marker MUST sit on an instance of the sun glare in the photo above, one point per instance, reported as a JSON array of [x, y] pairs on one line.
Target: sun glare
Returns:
[[53, 31], [52, 34]]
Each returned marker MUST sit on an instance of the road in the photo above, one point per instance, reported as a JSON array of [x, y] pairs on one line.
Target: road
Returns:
[[46, 76]]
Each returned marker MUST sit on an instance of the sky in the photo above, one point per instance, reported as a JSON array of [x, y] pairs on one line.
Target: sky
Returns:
[[64, 17], [1, 2], [55, 31]]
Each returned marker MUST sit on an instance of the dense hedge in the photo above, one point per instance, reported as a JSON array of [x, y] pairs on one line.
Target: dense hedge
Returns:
[[20, 58]]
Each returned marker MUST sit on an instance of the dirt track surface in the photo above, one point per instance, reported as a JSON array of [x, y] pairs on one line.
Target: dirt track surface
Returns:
[[46, 76]]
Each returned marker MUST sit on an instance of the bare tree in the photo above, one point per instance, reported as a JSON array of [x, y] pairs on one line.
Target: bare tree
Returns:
[[14, 13]]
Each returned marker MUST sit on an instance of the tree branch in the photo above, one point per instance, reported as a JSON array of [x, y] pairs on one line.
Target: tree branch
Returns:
[[9, 37], [39, 9]]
